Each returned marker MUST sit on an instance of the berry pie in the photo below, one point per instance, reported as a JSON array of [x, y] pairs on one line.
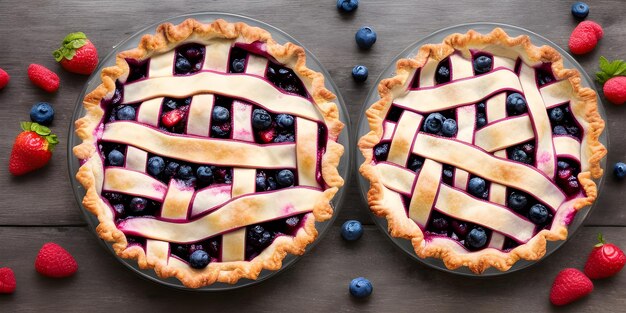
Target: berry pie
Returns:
[[209, 152], [481, 149]]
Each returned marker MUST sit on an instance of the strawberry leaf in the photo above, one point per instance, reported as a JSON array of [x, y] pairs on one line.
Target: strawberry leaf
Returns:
[[25, 126], [68, 48]]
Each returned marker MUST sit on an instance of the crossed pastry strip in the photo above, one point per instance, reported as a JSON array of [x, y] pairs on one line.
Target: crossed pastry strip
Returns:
[[188, 215], [480, 152]]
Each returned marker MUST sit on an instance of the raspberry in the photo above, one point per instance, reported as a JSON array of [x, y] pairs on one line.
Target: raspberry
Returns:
[[585, 37], [7, 280], [43, 77], [4, 78], [615, 90], [54, 261]]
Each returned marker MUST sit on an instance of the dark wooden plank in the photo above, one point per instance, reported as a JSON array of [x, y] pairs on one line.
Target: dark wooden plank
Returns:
[[317, 283], [32, 29]]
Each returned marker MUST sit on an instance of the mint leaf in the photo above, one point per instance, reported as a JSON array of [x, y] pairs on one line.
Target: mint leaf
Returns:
[[609, 70], [604, 63]]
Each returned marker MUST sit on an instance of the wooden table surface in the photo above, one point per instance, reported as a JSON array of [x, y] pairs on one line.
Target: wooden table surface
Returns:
[[40, 207]]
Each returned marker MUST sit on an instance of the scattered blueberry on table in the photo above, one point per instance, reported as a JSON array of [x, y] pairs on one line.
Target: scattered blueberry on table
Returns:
[[347, 5], [619, 170], [42, 113], [580, 10], [359, 73], [365, 37], [351, 230], [360, 287]]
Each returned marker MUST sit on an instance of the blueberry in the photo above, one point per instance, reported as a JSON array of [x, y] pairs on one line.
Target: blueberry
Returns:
[[440, 225], [42, 113], [477, 238], [156, 165], [199, 259], [261, 120], [220, 131], [285, 178], [171, 169], [544, 77], [360, 287], [238, 65], [517, 201], [559, 130], [359, 73], [481, 106], [538, 214], [205, 174], [482, 64], [433, 123], [171, 103], [381, 151], [285, 137], [117, 95], [520, 156], [449, 128], [259, 237], [365, 37], [415, 163], [182, 66], [261, 181], [580, 10], [351, 230], [556, 115], [477, 186], [284, 121], [119, 209], [347, 5], [184, 172], [116, 158], [443, 74], [448, 173], [619, 170], [572, 130], [138, 205], [562, 165], [516, 104], [481, 120], [126, 113], [220, 114]]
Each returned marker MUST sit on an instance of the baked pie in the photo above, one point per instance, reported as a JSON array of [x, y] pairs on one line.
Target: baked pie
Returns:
[[209, 152], [481, 149]]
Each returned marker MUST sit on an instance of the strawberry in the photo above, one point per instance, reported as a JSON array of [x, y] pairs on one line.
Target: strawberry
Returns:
[[585, 37], [172, 117], [54, 261], [7, 280], [43, 77], [4, 78], [613, 76], [32, 148], [605, 260], [77, 54], [570, 285]]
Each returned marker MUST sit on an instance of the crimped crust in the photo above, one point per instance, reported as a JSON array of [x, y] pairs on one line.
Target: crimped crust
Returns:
[[451, 253], [167, 37]]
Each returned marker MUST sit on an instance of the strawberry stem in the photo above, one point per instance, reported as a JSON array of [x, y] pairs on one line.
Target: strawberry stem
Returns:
[[42, 131], [600, 241]]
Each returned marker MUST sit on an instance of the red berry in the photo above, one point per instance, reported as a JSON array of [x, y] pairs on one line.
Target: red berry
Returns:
[[605, 260], [172, 117], [615, 90], [4, 78], [7, 280], [584, 37], [43, 77], [54, 261], [32, 149], [77, 54], [570, 285], [267, 135]]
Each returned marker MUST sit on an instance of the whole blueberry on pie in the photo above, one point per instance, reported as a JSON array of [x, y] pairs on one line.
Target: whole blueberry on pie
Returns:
[[481, 149], [209, 152]]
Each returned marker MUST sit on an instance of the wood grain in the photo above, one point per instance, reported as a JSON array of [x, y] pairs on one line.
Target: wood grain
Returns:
[[31, 30]]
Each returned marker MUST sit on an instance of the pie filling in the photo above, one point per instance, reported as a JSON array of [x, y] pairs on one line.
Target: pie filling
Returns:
[[461, 196], [162, 189]]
